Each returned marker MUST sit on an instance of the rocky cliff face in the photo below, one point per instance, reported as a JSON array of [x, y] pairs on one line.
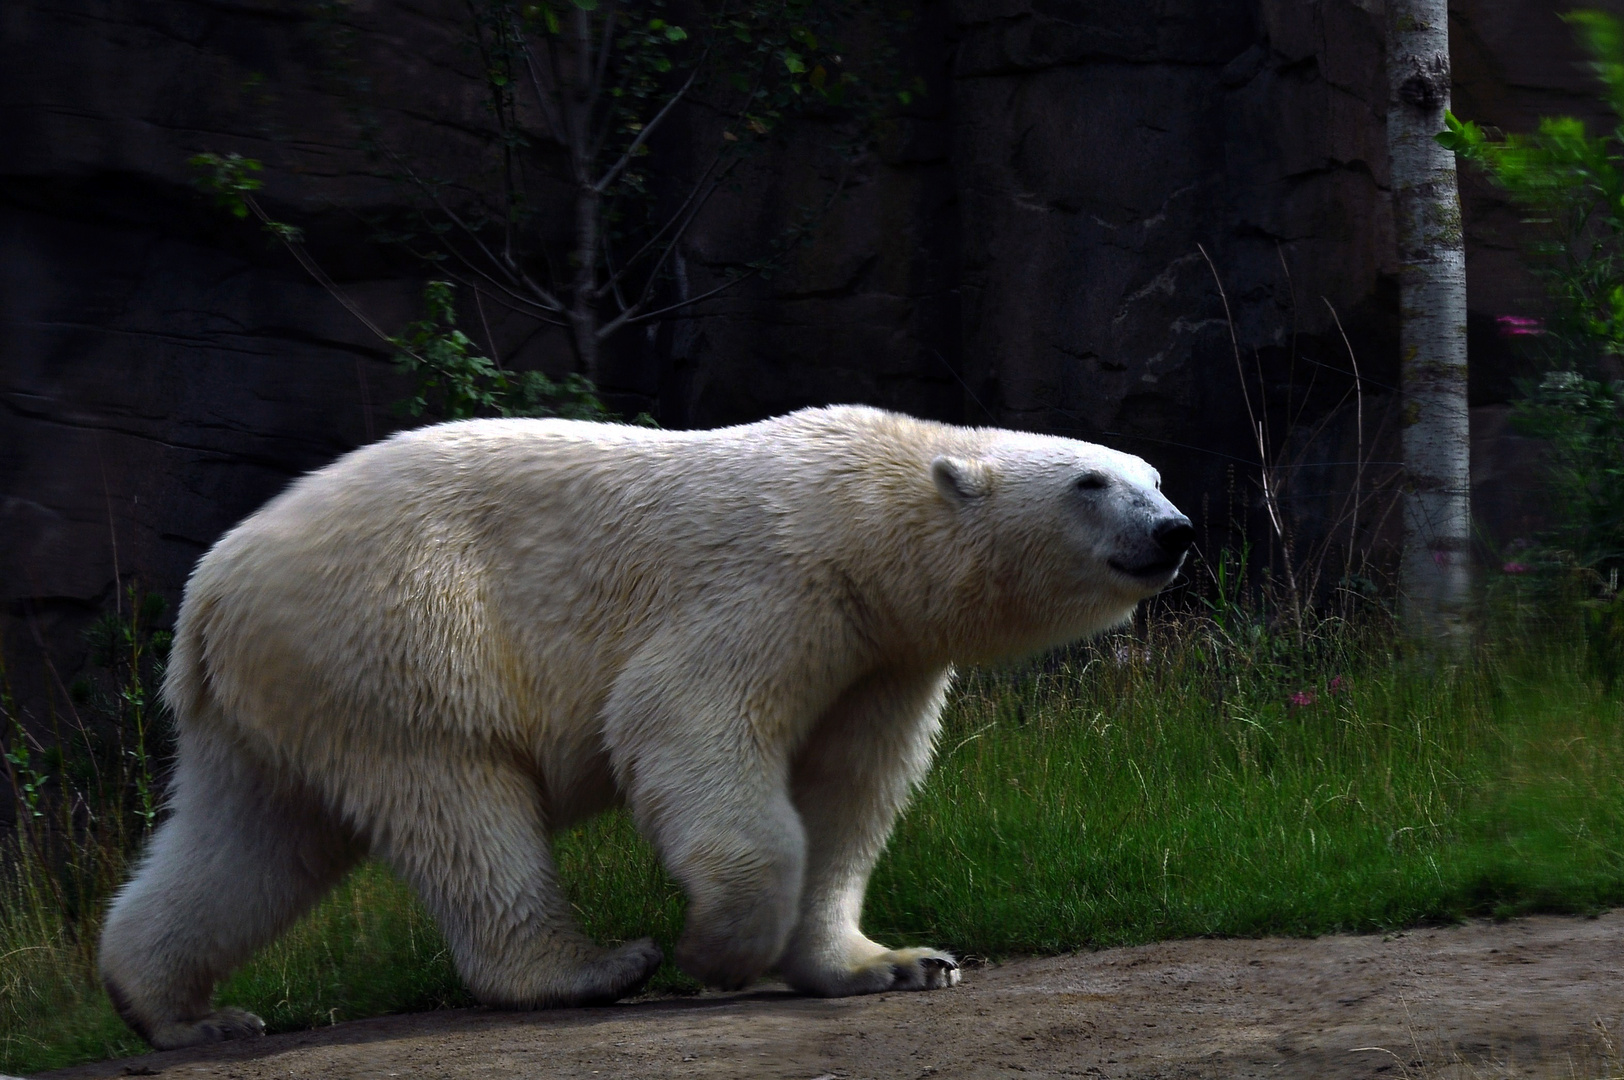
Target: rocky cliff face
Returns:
[[1025, 248]]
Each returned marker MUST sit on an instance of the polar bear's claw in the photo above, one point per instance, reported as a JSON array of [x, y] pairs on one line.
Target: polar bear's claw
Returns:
[[217, 1026], [893, 969], [929, 971]]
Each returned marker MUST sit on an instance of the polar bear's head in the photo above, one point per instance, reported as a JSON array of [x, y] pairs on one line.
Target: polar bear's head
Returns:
[[1077, 533]]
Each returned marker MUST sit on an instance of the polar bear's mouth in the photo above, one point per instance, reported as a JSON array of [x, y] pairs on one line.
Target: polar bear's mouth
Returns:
[[1147, 571]]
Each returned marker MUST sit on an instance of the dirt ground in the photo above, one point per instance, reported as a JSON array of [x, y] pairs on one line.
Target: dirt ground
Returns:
[[1532, 997]]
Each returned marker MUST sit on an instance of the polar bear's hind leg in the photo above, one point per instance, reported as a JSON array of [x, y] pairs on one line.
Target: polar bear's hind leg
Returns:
[[236, 862], [468, 835]]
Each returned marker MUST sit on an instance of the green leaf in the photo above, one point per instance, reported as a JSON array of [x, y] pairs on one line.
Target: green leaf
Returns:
[[453, 379], [1602, 35], [1464, 138], [675, 33]]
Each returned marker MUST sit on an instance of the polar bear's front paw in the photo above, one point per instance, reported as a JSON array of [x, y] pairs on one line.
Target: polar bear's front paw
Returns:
[[217, 1026], [924, 969], [891, 969]]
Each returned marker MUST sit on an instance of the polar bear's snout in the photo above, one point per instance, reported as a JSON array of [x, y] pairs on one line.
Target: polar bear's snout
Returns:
[[1159, 552], [1174, 536]]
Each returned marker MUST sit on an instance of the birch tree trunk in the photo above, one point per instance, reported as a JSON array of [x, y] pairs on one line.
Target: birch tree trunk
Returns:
[[1435, 572]]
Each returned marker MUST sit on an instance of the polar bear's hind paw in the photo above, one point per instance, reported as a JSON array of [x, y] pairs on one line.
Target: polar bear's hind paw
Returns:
[[621, 973], [217, 1026]]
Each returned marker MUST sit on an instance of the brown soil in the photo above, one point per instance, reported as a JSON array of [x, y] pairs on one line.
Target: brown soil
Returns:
[[1540, 997]]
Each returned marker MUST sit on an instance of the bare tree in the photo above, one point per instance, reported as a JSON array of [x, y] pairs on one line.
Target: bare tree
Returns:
[[579, 91], [1435, 572]]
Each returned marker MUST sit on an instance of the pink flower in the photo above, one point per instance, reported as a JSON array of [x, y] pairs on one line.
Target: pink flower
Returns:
[[1335, 685], [1519, 326], [1304, 697], [1515, 568]]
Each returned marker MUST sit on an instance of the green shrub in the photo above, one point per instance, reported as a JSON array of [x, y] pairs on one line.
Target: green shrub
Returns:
[[1570, 184], [453, 381]]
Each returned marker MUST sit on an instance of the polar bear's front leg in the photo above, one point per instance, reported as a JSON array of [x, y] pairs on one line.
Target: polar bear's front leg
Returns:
[[850, 781], [740, 858], [700, 759], [729, 834]]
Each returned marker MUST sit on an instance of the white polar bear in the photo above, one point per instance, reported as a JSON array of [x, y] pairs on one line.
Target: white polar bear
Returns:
[[445, 646]]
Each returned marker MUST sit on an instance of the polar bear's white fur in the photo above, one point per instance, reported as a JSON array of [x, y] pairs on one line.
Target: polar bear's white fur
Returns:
[[447, 645]]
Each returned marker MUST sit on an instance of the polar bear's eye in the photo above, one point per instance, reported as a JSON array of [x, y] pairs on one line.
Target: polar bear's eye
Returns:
[[1092, 482]]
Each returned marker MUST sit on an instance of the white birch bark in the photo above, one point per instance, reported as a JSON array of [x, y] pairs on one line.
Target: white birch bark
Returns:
[[1435, 571]]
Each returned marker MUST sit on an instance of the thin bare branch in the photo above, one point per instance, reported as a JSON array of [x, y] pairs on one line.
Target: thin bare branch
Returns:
[[599, 69], [505, 261], [550, 112], [571, 136], [499, 290], [682, 219], [1271, 499], [635, 315], [670, 248], [490, 339], [642, 136], [1359, 422], [614, 278], [312, 268], [512, 301], [632, 317]]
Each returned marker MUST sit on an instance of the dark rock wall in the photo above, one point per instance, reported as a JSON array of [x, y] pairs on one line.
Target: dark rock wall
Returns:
[[162, 372], [1100, 148], [1022, 249]]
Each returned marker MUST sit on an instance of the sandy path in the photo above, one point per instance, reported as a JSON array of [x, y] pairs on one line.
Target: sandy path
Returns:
[[1534, 997]]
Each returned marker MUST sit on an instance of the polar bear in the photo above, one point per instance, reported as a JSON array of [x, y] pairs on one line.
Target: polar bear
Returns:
[[445, 646]]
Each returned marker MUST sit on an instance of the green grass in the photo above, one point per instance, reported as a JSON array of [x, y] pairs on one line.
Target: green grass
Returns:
[[1128, 808], [1092, 802]]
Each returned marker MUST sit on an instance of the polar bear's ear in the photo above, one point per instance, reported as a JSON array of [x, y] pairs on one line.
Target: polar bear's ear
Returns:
[[959, 480]]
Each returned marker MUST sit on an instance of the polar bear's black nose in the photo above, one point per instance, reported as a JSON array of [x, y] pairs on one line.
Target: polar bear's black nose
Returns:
[[1174, 536]]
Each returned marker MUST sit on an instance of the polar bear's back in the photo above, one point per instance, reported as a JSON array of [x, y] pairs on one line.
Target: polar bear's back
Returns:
[[492, 575], [377, 591]]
